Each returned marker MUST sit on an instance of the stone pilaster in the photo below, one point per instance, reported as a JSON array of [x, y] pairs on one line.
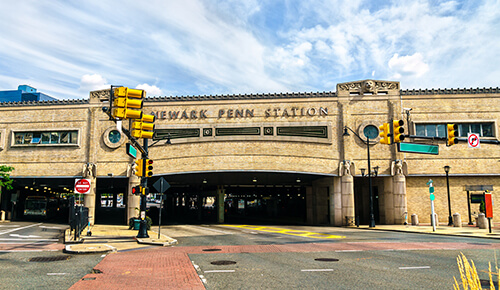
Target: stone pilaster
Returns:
[[133, 201], [399, 190]]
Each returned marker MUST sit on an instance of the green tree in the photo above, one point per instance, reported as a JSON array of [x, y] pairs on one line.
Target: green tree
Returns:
[[5, 180]]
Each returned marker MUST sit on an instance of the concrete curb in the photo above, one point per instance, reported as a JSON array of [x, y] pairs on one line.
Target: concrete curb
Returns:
[[88, 249], [486, 236]]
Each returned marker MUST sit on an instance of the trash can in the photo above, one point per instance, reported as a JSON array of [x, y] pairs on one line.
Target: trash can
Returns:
[[481, 220], [137, 224]]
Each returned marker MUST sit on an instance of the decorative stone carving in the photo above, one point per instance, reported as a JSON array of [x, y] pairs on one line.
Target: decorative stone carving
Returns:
[[89, 170], [399, 167], [102, 95], [346, 167], [367, 86]]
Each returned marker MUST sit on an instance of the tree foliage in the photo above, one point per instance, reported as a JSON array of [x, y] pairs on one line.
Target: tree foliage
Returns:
[[5, 180]]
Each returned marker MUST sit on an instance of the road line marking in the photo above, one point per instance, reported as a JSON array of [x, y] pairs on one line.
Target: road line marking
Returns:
[[217, 231], [219, 271], [316, 270], [411, 268], [28, 240], [297, 233], [17, 229]]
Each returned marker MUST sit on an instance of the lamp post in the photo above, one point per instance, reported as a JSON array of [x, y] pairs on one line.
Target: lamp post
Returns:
[[450, 219], [370, 131]]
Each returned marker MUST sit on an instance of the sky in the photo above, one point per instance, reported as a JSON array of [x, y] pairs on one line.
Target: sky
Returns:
[[216, 47]]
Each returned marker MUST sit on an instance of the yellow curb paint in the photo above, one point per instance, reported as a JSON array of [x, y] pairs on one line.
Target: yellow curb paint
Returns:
[[288, 232]]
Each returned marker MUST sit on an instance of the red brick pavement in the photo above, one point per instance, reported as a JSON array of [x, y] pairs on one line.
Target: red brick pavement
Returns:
[[171, 268]]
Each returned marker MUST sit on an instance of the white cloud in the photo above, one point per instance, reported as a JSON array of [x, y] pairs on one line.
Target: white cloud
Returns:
[[93, 83], [409, 65], [150, 90]]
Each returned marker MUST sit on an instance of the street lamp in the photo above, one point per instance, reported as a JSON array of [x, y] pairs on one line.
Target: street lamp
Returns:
[[450, 219], [370, 132]]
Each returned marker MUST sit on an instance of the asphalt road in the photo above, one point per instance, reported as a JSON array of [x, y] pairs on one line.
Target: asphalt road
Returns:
[[351, 258]]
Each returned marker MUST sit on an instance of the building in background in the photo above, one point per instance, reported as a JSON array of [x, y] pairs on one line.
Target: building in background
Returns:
[[24, 93], [277, 158]]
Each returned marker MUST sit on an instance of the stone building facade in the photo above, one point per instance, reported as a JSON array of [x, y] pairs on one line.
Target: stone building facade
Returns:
[[262, 147]]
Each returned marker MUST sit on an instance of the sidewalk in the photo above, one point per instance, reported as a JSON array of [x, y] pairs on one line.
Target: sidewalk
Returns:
[[443, 229], [111, 238]]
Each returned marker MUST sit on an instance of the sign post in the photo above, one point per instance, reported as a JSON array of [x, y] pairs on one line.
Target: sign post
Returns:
[[432, 197], [161, 186]]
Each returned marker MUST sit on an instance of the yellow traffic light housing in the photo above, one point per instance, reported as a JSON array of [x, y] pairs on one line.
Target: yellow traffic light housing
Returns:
[[126, 102], [144, 128], [385, 134], [138, 167], [397, 131], [452, 134], [149, 168]]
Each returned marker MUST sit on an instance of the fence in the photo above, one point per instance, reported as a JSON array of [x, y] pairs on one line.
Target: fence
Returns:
[[78, 217]]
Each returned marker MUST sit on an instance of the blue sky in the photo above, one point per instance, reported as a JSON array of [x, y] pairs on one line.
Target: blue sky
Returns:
[[206, 47]]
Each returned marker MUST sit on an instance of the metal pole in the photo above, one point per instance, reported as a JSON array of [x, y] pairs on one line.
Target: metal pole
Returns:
[[143, 228], [468, 206], [450, 219], [159, 219], [372, 217]]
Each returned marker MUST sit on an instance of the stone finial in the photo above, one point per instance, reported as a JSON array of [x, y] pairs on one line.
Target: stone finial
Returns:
[[99, 96]]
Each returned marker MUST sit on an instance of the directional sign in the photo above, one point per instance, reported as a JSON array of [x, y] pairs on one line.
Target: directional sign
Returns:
[[161, 185], [418, 148], [473, 140], [82, 186], [131, 151]]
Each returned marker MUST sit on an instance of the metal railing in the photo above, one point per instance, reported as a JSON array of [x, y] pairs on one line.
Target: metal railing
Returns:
[[78, 218]]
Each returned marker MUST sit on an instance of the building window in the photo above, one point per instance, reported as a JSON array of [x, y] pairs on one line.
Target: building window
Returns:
[[439, 130], [483, 129], [431, 130], [114, 136], [50, 137]]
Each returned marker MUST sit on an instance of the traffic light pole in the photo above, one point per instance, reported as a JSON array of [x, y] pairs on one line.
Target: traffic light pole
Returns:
[[143, 227]]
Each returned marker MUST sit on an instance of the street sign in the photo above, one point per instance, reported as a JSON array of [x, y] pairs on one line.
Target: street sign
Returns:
[[161, 185], [473, 140], [131, 151], [82, 186], [418, 148]]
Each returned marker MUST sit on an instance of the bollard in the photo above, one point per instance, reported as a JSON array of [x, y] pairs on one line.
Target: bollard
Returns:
[[414, 220], [481, 220], [457, 221], [435, 219], [2, 215]]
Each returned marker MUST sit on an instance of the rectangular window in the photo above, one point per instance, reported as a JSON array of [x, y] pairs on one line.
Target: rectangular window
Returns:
[[47, 137], [440, 130]]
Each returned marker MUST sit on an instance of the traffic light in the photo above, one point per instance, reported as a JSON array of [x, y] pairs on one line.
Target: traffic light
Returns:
[[452, 134], [143, 127], [125, 103], [149, 168], [385, 134], [136, 190], [138, 167], [397, 131]]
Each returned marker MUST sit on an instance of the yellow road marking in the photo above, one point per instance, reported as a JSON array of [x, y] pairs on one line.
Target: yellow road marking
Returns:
[[287, 232]]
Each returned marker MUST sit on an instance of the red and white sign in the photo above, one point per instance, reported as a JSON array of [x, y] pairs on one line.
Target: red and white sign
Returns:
[[473, 140], [82, 186]]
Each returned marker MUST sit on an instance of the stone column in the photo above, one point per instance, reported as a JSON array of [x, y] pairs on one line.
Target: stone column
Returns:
[[133, 201], [220, 204], [347, 197], [89, 199], [337, 201], [388, 201], [399, 190], [310, 205]]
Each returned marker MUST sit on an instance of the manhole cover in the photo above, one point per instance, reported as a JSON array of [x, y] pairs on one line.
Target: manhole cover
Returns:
[[223, 262], [49, 259], [89, 278], [326, 259], [96, 271], [211, 250]]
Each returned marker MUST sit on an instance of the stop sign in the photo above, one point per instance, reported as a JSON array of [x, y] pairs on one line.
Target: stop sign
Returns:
[[82, 186]]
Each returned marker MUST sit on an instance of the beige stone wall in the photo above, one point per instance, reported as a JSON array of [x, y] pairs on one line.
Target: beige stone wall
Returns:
[[419, 202]]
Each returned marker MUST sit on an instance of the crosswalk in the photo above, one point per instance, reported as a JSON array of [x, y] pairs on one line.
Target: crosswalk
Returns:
[[24, 237]]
